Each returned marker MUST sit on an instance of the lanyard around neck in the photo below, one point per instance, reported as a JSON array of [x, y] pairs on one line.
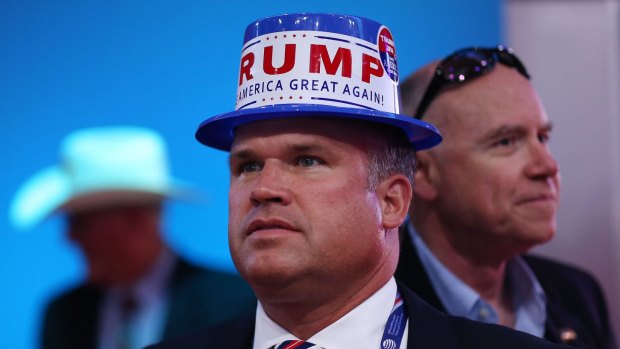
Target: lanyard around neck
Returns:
[[395, 326]]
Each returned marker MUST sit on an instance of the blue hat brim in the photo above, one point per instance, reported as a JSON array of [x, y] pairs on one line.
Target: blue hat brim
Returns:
[[219, 131]]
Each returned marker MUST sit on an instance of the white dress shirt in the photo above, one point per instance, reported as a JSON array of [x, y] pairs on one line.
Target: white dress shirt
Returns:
[[361, 328]]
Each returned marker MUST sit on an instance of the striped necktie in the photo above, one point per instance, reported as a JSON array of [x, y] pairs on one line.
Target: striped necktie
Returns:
[[295, 344]]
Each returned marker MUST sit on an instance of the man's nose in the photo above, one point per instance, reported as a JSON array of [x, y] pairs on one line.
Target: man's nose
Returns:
[[272, 186], [542, 163]]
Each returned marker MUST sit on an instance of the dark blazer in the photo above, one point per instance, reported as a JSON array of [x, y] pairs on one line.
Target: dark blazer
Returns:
[[198, 297], [574, 299], [428, 328]]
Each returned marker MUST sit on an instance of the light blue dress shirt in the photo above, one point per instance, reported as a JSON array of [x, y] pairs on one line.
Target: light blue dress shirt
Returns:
[[147, 323], [459, 299]]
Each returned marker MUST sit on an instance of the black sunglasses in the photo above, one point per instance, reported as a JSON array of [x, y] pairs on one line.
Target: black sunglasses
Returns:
[[464, 65]]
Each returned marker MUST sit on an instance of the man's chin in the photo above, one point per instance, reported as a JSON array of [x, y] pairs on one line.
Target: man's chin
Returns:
[[110, 279], [280, 278], [536, 236]]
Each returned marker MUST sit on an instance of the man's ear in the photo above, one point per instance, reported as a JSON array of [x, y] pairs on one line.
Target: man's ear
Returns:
[[425, 178], [394, 194]]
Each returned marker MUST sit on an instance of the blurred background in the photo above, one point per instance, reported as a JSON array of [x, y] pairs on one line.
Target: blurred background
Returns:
[[168, 65]]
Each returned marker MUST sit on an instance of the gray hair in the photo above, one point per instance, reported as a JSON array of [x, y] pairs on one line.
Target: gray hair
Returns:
[[389, 153], [412, 89]]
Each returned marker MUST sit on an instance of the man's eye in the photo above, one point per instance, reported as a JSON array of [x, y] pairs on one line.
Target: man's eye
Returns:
[[543, 138], [506, 142], [249, 166], [307, 161]]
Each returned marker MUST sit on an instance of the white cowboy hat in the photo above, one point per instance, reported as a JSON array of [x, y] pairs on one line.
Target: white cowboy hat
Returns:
[[98, 167]]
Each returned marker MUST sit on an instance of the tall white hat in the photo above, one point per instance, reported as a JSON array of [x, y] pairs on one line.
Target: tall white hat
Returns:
[[317, 65]]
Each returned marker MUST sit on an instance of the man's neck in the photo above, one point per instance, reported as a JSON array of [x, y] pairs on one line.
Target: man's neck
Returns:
[[486, 276], [310, 313]]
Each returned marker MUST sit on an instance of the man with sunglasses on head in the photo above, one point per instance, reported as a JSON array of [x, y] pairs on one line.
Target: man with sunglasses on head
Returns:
[[487, 195]]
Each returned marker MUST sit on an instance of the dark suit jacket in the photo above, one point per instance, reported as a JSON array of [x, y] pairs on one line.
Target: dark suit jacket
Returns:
[[428, 328], [574, 299], [198, 297]]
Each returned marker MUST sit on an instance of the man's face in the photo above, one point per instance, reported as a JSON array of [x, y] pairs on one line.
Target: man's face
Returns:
[[300, 208], [497, 182], [119, 243]]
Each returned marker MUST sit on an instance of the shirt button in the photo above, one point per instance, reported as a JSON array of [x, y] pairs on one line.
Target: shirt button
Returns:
[[484, 313]]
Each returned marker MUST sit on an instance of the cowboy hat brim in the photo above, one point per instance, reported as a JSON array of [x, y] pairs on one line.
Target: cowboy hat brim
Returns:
[[50, 191]]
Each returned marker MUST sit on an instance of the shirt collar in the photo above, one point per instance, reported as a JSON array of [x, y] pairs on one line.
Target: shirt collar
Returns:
[[153, 284], [455, 295], [148, 321], [366, 330], [530, 298], [461, 300]]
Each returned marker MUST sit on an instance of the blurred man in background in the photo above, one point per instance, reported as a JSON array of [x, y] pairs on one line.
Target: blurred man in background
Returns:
[[111, 186], [485, 196]]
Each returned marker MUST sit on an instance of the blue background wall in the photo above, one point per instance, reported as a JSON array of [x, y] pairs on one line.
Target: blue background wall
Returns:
[[166, 65]]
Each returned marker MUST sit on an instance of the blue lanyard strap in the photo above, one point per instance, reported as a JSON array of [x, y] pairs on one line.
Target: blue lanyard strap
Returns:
[[395, 326]]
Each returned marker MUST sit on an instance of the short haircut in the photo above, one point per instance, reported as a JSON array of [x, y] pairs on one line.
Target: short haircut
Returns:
[[414, 87], [389, 153]]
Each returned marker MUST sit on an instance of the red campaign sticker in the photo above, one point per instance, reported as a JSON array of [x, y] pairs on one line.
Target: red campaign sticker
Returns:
[[387, 51]]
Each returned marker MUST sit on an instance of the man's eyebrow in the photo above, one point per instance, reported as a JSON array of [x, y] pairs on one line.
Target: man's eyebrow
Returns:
[[504, 130], [239, 156], [548, 126], [513, 129], [304, 147], [242, 154]]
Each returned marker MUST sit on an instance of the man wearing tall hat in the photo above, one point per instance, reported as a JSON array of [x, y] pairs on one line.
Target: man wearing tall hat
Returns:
[[110, 187], [321, 166]]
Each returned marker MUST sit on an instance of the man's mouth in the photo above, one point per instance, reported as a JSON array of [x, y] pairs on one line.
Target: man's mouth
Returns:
[[269, 224]]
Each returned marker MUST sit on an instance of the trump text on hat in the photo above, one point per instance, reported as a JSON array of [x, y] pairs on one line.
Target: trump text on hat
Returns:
[[306, 67]]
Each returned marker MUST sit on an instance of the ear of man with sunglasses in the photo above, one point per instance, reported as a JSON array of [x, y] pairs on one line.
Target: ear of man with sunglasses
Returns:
[[486, 196]]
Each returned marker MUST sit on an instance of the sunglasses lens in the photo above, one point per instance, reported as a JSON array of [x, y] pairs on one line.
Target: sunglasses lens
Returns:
[[466, 64], [507, 58]]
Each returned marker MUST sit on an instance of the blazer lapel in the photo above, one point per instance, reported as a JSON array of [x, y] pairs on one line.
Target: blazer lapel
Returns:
[[71, 323], [234, 334], [428, 328], [562, 322]]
